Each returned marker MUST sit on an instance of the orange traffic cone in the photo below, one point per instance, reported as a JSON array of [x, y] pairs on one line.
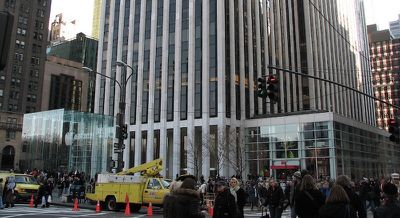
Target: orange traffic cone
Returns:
[[127, 208], [98, 210], [31, 201], [150, 210], [75, 205]]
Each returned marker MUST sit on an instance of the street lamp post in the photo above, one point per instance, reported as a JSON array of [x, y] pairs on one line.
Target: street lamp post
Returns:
[[122, 128]]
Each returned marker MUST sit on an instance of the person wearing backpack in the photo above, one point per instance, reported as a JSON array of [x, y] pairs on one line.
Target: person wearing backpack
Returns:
[[337, 204]]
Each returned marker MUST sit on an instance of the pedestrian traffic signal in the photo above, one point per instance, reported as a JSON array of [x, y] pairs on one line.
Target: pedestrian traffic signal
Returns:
[[273, 88], [262, 88], [394, 130]]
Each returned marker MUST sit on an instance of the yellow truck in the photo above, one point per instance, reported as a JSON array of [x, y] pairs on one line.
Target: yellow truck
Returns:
[[143, 185]]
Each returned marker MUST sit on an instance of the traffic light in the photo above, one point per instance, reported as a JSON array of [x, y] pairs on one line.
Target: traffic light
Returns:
[[124, 131], [262, 88], [394, 131], [273, 88]]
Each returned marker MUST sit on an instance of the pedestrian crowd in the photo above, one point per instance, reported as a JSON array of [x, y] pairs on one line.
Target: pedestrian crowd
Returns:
[[304, 195], [71, 184]]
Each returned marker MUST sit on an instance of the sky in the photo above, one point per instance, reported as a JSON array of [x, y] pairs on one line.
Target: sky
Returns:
[[381, 12], [377, 12], [79, 10]]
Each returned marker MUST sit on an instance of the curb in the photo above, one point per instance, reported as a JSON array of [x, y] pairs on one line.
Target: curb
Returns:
[[88, 207]]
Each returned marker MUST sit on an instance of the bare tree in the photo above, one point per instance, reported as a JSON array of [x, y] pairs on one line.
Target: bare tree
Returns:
[[194, 158], [236, 152]]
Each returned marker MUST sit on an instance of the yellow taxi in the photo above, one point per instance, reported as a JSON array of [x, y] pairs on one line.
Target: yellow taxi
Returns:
[[26, 185]]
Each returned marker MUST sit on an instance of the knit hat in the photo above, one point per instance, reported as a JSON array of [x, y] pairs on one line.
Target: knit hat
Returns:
[[189, 183], [390, 189], [297, 174]]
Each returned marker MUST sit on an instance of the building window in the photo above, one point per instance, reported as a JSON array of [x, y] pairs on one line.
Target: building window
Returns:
[[19, 56], [1, 92], [10, 134], [14, 95], [31, 98], [11, 120], [34, 73], [35, 60]]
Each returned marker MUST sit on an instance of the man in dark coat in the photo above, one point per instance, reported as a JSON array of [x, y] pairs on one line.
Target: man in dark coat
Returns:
[[275, 199], [224, 205], [391, 206], [184, 202], [357, 207], [294, 188]]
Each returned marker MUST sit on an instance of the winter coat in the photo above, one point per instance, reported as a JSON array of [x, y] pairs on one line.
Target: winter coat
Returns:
[[390, 210], [225, 205], [305, 207], [241, 197], [275, 197], [183, 203], [253, 194], [294, 188], [357, 207], [1, 189], [335, 210]]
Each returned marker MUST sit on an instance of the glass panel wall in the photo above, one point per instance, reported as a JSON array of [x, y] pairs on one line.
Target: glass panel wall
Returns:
[[68, 140]]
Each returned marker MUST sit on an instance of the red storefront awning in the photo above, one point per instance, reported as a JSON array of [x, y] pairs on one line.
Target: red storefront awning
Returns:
[[289, 167]]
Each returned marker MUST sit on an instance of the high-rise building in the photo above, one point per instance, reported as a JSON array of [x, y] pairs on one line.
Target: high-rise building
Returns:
[[192, 98], [65, 85], [62, 29], [96, 19], [394, 27], [81, 49], [385, 64], [27, 55]]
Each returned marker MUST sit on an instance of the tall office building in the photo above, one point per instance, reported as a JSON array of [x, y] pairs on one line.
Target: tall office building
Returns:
[[21, 79], [385, 64], [27, 55], [81, 49], [192, 97], [96, 19], [394, 27]]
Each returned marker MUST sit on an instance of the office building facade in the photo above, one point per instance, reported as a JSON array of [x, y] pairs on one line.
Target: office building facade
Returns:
[[81, 49], [195, 66], [66, 85], [27, 55], [96, 19], [394, 27], [385, 64]]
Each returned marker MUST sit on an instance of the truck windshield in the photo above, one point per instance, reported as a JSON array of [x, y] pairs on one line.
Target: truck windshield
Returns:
[[165, 183]]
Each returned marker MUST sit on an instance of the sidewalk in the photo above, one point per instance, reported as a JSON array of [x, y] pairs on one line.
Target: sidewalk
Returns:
[[59, 202]]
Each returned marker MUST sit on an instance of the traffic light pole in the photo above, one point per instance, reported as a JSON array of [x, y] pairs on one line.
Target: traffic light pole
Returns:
[[121, 130], [335, 83]]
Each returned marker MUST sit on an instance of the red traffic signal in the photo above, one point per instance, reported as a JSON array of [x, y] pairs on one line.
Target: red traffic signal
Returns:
[[272, 79]]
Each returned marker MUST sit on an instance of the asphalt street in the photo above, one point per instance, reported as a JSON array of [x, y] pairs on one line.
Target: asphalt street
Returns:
[[23, 210]]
